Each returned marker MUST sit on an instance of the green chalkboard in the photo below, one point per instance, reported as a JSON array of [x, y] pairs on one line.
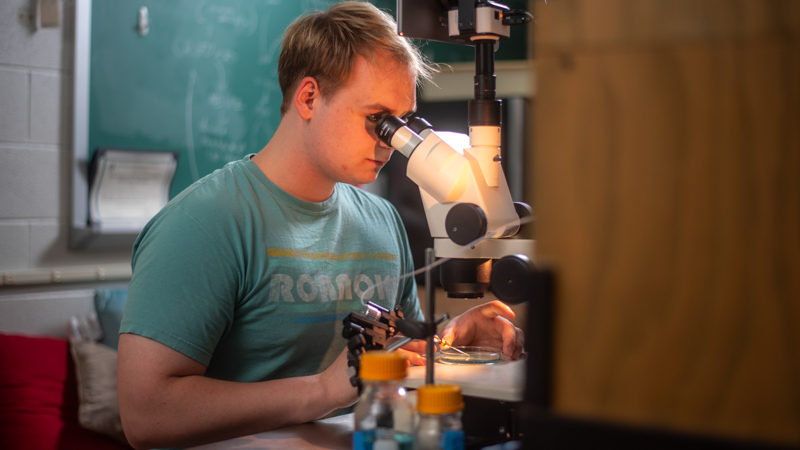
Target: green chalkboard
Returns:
[[203, 80]]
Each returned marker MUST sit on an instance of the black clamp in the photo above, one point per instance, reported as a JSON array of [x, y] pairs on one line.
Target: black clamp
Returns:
[[368, 331], [371, 330]]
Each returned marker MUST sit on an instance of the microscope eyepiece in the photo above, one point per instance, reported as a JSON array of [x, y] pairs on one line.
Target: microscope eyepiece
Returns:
[[392, 131], [418, 125], [387, 127]]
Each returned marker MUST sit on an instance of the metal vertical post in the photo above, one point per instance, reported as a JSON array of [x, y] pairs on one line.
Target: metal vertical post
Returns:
[[430, 314]]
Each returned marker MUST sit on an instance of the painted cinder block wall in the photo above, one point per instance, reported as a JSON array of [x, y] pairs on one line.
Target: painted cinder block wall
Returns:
[[36, 100]]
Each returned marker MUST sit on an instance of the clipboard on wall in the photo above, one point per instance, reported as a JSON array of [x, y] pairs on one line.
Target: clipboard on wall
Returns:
[[127, 188]]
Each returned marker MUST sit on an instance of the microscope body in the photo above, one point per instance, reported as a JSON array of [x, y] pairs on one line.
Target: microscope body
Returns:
[[450, 176], [468, 205]]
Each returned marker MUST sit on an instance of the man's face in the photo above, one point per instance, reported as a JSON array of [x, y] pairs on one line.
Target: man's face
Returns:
[[342, 144]]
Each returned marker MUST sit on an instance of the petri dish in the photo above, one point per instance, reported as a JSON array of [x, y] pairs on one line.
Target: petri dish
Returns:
[[469, 355]]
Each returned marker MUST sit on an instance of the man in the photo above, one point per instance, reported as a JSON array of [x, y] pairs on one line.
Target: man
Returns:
[[240, 283]]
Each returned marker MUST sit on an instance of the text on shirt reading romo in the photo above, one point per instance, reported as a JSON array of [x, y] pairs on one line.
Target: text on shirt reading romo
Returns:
[[324, 288]]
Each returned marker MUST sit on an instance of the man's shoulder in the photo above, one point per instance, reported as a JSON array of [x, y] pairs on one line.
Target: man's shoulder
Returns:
[[211, 203], [219, 189]]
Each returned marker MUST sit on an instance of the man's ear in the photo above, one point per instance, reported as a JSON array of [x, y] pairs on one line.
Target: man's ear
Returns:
[[307, 97]]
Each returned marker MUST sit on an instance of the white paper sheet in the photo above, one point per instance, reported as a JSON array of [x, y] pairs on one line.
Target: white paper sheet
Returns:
[[129, 188]]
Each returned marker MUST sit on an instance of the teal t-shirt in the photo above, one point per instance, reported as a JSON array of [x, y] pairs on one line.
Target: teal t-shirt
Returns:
[[252, 282]]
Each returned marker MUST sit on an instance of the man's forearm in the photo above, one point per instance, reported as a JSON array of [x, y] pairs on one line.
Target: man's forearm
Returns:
[[193, 410], [166, 401]]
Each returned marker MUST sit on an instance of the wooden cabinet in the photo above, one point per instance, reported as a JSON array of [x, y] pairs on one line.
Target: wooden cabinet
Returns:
[[666, 168]]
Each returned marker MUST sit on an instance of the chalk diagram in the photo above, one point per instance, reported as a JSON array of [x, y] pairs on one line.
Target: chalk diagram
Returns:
[[226, 116], [214, 117]]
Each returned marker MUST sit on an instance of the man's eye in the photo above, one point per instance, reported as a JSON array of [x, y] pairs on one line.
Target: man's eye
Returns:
[[374, 118]]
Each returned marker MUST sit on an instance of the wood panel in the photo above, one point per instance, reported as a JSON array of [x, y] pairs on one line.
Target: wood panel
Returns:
[[667, 189], [647, 22]]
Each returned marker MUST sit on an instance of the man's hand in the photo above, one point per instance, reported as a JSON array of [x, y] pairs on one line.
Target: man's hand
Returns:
[[414, 350], [336, 382], [486, 325]]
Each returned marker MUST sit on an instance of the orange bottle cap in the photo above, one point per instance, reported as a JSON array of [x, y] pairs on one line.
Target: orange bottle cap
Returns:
[[380, 365], [439, 399]]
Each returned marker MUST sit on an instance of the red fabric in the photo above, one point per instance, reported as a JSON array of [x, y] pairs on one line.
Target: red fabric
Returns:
[[39, 398]]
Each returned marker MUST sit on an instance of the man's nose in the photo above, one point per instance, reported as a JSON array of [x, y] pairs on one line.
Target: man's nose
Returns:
[[384, 145]]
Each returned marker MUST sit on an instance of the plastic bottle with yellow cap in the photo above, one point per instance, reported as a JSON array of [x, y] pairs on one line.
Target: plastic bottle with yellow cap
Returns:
[[439, 425], [384, 416]]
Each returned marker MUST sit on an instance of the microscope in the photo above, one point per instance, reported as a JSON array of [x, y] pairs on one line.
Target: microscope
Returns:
[[468, 206]]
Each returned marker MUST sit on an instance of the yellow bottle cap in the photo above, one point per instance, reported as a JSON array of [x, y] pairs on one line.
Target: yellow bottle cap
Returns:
[[380, 365], [439, 399]]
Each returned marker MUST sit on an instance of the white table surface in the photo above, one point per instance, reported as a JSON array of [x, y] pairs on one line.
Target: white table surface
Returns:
[[503, 381], [330, 434]]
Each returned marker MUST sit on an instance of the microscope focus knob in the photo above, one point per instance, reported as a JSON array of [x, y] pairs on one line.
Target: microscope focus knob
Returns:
[[512, 278], [525, 214], [465, 222]]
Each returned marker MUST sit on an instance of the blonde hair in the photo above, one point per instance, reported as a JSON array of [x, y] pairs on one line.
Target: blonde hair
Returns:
[[325, 45]]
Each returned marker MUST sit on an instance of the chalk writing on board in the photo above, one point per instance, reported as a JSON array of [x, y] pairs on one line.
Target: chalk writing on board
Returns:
[[244, 19], [209, 133], [307, 5], [219, 128], [221, 149], [221, 98], [261, 130], [261, 107], [224, 100], [198, 49], [188, 119], [267, 49]]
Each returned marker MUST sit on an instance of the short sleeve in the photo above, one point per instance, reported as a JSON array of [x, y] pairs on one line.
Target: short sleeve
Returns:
[[184, 285]]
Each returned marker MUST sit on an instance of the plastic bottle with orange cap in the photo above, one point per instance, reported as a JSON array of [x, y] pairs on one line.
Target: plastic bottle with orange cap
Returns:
[[439, 425], [384, 416]]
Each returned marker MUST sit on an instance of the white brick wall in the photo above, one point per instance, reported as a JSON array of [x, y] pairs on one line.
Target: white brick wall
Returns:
[[15, 98], [36, 69]]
